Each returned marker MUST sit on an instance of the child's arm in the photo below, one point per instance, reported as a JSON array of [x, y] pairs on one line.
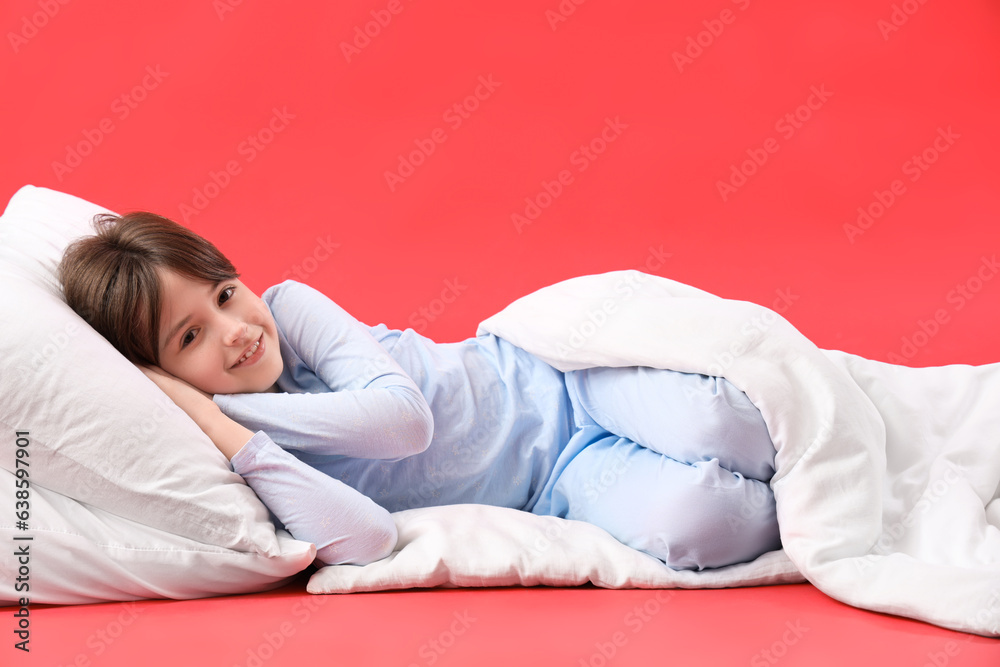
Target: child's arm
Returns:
[[345, 525], [374, 410]]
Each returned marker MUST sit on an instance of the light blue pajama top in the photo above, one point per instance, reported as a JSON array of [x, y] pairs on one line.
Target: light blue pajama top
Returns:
[[374, 414]]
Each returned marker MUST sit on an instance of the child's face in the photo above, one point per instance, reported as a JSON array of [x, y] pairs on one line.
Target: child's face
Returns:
[[220, 323]]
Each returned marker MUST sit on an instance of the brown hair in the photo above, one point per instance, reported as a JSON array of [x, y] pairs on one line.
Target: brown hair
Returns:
[[110, 279]]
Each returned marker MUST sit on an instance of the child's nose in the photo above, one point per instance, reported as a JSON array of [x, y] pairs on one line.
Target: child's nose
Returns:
[[238, 332]]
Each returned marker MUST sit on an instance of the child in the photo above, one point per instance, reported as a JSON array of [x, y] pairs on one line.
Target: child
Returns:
[[335, 424]]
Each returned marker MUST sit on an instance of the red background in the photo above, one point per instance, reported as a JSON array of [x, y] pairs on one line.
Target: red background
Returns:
[[83, 114]]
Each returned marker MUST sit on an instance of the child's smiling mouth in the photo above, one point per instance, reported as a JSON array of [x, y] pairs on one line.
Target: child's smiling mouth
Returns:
[[251, 353]]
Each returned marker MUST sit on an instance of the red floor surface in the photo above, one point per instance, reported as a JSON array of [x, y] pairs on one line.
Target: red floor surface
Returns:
[[426, 163], [576, 627]]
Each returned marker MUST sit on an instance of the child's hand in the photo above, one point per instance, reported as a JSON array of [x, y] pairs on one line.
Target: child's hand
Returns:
[[188, 398], [227, 435]]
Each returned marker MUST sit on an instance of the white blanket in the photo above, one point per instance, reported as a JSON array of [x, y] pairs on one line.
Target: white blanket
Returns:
[[887, 479]]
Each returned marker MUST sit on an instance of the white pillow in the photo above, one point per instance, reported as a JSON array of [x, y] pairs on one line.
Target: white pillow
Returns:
[[128, 497]]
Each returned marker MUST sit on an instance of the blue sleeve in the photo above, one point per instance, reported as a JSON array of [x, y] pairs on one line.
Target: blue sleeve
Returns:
[[345, 525], [374, 409]]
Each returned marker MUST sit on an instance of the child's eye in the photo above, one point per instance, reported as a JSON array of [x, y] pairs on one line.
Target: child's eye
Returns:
[[224, 296]]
